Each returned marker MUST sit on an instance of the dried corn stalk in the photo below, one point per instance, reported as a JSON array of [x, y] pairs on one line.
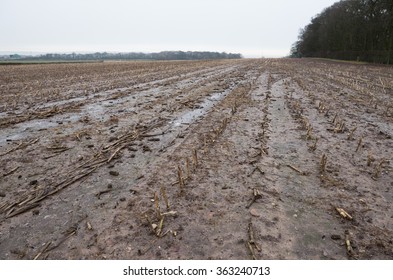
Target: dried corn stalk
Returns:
[[344, 213]]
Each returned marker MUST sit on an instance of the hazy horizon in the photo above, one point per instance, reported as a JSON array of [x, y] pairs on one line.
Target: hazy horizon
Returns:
[[250, 27], [38, 53]]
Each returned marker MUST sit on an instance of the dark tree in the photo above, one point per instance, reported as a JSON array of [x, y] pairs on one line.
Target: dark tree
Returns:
[[351, 30]]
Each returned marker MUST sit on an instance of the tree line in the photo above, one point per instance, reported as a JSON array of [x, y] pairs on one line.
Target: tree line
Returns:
[[166, 55], [350, 30]]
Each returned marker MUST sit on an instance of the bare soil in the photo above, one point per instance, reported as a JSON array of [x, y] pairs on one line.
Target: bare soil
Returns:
[[237, 159]]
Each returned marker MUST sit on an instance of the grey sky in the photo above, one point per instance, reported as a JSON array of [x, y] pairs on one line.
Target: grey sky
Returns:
[[254, 28]]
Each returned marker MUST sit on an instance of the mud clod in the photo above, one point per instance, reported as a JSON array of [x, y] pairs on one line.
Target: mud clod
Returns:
[[114, 173]]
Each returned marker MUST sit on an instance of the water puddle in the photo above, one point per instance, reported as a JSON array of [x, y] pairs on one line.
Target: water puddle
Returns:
[[190, 116], [23, 130]]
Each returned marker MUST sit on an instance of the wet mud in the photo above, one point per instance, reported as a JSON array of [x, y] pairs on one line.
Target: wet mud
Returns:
[[237, 159]]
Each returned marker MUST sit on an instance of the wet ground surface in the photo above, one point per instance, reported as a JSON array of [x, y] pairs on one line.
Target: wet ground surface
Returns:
[[240, 159]]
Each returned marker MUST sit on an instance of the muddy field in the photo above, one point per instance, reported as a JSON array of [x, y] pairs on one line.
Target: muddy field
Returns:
[[240, 159]]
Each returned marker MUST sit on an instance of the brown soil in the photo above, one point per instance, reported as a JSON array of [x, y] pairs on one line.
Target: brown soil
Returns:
[[264, 159]]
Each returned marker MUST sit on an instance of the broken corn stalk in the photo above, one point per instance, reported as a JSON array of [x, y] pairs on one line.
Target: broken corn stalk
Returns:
[[163, 193], [323, 163], [159, 228], [344, 213], [359, 144], [194, 158], [180, 177]]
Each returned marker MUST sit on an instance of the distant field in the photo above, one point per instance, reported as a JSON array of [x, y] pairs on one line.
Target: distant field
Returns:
[[224, 159], [21, 62]]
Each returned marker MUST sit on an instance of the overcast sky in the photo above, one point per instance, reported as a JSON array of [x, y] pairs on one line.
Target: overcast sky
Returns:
[[254, 28]]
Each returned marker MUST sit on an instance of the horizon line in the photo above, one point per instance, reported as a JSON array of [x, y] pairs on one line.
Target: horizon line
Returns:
[[262, 53]]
